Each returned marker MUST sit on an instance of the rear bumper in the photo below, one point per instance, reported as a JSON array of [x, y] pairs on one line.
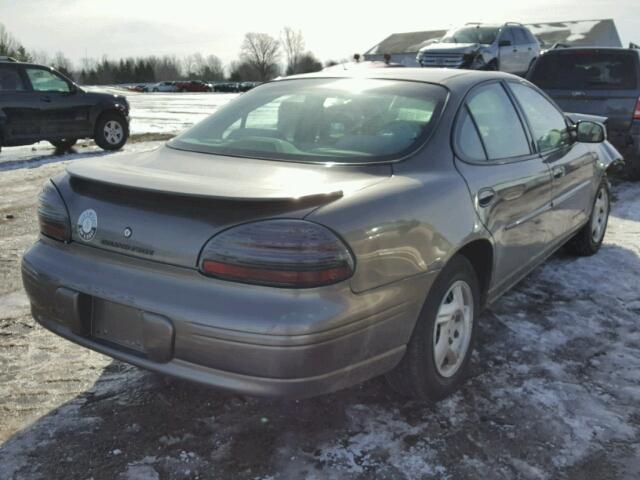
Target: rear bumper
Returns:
[[253, 340]]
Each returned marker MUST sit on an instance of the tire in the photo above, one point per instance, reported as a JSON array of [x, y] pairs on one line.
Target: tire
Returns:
[[417, 375], [111, 131], [64, 144], [492, 66], [589, 239], [156, 90], [632, 168]]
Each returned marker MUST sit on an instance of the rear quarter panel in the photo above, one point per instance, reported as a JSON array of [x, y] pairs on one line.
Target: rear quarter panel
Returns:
[[407, 225]]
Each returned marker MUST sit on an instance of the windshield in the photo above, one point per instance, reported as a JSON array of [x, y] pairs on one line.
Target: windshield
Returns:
[[321, 120], [586, 71], [484, 35]]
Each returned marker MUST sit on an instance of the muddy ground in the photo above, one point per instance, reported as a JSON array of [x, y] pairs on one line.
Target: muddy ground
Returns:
[[554, 389]]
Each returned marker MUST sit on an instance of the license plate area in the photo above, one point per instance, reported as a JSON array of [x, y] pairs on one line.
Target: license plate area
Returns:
[[118, 324]]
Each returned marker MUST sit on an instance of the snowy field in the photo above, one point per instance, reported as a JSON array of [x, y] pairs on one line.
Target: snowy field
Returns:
[[554, 391]]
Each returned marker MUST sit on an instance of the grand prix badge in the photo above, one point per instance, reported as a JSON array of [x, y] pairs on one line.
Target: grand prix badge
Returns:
[[87, 225]]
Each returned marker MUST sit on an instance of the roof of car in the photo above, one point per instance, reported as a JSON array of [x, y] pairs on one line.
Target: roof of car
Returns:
[[441, 76], [23, 64], [559, 50]]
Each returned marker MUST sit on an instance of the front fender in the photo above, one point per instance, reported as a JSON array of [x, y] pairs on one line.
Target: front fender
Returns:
[[106, 106]]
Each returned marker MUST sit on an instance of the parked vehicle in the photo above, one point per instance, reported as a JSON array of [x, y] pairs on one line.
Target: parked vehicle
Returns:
[[38, 103], [246, 86], [227, 87], [194, 86], [320, 230], [510, 47], [142, 87], [162, 87], [598, 81]]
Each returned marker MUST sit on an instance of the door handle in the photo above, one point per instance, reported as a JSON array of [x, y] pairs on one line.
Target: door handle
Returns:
[[46, 99], [558, 172], [486, 196]]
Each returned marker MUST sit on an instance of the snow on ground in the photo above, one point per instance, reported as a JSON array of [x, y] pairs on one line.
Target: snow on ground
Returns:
[[554, 390], [167, 112]]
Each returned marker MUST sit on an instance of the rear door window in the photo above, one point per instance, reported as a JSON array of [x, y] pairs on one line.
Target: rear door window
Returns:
[[507, 35], [530, 36], [520, 36], [548, 125], [587, 70], [10, 79], [498, 123]]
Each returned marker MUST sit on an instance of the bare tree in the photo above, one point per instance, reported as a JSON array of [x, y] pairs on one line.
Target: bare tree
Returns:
[[261, 52], [10, 47], [308, 63], [293, 45], [61, 63]]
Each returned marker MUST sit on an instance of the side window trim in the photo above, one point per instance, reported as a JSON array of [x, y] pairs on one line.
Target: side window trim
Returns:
[[477, 130], [529, 129], [533, 148]]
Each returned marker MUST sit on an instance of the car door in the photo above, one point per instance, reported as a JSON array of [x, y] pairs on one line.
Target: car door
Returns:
[[507, 51], [522, 50], [509, 182], [572, 164], [19, 106], [65, 110]]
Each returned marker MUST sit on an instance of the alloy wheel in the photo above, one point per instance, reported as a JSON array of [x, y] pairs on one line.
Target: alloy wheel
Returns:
[[599, 215], [452, 329], [113, 132]]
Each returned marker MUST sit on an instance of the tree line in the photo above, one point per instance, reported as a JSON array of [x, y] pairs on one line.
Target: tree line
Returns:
[[262, 57]]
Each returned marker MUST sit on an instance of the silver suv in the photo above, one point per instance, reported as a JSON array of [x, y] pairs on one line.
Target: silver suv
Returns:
[[510, 47]]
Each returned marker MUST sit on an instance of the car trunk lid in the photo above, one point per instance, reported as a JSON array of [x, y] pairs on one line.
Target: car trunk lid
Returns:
[[165, 204]]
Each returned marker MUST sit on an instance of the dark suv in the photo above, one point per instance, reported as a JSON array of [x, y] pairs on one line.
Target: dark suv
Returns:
[[37, 103], [597, 81]]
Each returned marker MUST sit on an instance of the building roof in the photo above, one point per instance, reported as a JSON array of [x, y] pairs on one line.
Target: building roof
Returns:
[[582, 33], [601, 33], [405, 42]]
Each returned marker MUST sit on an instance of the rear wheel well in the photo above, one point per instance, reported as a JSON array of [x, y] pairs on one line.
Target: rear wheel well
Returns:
[[480, 254]]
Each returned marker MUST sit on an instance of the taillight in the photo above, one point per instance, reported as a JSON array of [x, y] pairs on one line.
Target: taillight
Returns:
[[52, 214], [636, 113], [280, 253]]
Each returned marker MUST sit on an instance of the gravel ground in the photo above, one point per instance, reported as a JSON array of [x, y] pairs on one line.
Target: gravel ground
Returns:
[[554, 391]]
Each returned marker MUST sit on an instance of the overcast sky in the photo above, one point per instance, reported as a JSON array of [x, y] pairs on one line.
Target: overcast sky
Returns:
[[333, 29]]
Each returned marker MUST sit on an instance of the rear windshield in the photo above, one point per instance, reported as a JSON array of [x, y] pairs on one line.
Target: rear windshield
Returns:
[[484, 35], [321, 120], [586, 71]]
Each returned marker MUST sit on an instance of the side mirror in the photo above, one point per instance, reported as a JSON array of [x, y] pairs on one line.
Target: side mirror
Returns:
[[590, 132], [504, 43]]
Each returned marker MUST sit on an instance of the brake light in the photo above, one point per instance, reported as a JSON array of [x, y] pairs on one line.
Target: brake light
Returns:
[[279, 253], [636, 113], [53, 217]]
